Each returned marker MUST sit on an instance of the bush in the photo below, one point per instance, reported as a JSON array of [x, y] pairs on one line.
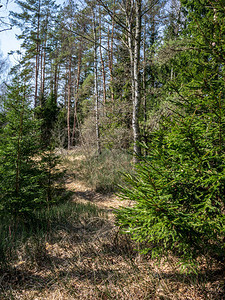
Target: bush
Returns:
[[28, 175], [179, 195]]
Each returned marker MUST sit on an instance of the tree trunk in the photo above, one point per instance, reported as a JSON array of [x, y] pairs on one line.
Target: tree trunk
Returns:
[[56, 79], [137, 87], [37, 56], [102, 62], [44, 59], [144, 88], [76, 95], [98, 146], [110, 53], [69, 103], [134, 41]]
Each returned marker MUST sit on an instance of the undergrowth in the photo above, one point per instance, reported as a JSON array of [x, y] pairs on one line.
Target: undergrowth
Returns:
[[19, 240], [104, 172], [75, 251]]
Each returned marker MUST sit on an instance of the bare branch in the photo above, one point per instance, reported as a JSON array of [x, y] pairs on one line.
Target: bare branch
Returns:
[[114, 18], [85, 37], [6, 29]]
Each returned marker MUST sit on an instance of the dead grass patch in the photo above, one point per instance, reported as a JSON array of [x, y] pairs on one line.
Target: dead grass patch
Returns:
[[91, 260]]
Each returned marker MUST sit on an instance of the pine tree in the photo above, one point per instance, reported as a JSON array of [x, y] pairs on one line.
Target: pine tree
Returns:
[[19, 175], [28, 174]]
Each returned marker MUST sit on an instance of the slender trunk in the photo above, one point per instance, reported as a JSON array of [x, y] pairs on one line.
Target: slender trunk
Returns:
[[110, 53], [37, 56], [76, 95], [144, 76], [56, 78], [42, 71], [44, 65], [65, 89], [96, 87], [131, 53], [131, 46], [41, 66], [69, 102], [137, 87], [102, 62], [144, 88]]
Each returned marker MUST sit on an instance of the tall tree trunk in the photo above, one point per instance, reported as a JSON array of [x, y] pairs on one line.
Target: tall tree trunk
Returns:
[[42, 70], [134, 41], [44, 59], [98, 146], [144, 87], [37, 56], [69, 102], [110, 53], [102, 62], [137, 86], [56, 78], [131, 51], [76, 94], [41, 66]]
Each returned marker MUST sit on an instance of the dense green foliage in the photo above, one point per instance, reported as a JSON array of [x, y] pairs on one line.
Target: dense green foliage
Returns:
[[27, 172], [48, 113], [20, 190], [179, 187]]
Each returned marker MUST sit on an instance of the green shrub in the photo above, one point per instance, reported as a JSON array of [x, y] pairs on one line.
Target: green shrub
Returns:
[[179, 194], [28, 174], [179, 188]]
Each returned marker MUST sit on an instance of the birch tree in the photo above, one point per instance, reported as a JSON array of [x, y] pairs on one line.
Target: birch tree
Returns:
[[96, 93]]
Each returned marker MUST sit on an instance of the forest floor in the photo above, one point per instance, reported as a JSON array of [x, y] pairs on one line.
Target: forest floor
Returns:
[[89, 259]]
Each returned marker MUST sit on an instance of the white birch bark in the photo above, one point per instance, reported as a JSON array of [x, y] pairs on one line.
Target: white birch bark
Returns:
[[137, 86], [98, 146], [133, 11]]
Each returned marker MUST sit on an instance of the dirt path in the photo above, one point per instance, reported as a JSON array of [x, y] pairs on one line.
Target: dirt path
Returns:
[[84, 193]]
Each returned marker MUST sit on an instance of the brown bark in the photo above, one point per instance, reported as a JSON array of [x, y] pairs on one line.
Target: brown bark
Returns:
[[76, 94], [69, 102], [56, 79], [44, 62]]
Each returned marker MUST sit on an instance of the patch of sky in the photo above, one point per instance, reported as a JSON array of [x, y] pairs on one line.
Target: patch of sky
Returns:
[[8, 40]]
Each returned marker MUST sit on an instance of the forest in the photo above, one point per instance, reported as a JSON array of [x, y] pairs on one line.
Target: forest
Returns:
[[112, 150]]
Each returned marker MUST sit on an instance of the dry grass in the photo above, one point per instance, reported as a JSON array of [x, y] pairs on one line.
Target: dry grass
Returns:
[[89, 259], [103, 173]]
